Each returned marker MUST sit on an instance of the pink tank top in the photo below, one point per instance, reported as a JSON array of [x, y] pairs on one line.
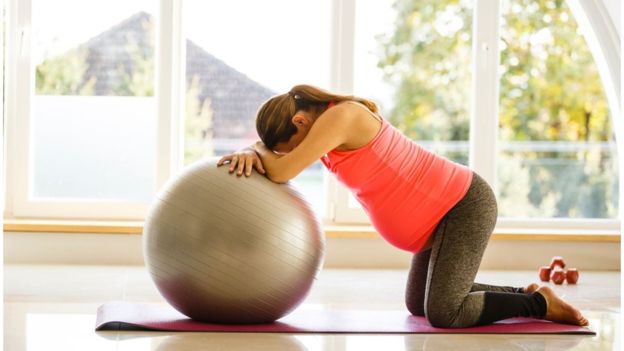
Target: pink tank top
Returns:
[[404, 189]]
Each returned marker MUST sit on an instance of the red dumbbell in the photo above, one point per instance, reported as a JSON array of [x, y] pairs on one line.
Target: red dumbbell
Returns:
[[558, 275], [557, 261], [572, 275], [544, 273]]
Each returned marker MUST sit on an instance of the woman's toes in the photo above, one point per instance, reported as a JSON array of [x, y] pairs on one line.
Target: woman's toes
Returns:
[[583, 321], [531, 288]]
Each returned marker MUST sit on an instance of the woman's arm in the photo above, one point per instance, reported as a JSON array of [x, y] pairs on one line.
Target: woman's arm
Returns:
[[328, 132], [267, 156]]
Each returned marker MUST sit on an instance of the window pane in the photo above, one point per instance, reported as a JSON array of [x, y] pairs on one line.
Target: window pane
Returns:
[[556, 148], [235, 60], [414, 59], [93, 111]]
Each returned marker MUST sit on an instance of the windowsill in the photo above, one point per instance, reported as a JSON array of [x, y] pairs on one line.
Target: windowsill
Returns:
[[331, 230]]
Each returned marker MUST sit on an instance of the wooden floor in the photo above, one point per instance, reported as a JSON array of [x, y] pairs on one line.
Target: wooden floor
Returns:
[[53, 308]]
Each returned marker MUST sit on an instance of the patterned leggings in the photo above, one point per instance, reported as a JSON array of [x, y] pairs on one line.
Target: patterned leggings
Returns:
[[441, 283]]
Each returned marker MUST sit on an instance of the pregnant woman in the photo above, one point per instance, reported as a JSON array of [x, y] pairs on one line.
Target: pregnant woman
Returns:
[[420, 202]]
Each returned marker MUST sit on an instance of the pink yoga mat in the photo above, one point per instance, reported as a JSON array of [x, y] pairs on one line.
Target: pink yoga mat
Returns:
[[123, 315]]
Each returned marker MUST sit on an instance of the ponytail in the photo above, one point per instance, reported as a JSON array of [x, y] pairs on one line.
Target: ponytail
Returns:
[[308, 95]]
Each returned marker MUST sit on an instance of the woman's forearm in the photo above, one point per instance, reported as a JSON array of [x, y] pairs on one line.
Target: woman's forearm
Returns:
[[269, 160]]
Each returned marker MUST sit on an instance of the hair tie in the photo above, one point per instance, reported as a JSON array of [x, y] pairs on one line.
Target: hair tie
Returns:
[[293, 95]]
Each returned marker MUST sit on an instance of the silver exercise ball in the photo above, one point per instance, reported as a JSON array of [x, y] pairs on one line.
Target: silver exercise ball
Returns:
[[227, 249]]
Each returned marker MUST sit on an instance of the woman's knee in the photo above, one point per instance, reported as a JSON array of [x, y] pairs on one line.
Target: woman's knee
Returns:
[[440, 320], [415, 299], [448, 316], [414, 307]]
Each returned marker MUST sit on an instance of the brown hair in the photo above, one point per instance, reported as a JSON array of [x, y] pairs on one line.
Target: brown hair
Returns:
[[273, 120]]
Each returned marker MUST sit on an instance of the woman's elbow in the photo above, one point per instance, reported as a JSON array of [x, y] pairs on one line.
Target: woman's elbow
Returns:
[[281, 181], [277, 179], [281, 175]]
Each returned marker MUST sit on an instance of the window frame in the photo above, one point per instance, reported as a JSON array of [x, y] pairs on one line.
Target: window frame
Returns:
[[169, 86]]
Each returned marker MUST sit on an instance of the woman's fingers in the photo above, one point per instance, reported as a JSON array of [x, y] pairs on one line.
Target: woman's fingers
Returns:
[[223, 159], [242, 163], [233, 163], [249, 165], [259, 165]]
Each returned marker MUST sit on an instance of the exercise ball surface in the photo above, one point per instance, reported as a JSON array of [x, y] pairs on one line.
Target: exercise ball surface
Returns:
[[227, 249]]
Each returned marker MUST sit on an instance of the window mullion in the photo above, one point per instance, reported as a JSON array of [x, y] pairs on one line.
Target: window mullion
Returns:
[[485, 87], [18, 103], [342, 81], [343, 46], [169, 82]]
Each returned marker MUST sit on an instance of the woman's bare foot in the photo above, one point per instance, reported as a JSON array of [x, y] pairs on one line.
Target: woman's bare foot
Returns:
[[560, 311], [531, 288]]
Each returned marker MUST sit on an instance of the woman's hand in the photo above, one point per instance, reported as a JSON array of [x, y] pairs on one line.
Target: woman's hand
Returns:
[[244, 160]]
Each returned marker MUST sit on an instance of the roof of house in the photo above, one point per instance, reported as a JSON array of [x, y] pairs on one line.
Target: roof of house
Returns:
[[234, 97]]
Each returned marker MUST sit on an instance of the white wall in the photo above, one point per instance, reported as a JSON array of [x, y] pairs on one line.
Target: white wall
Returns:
[[613, 8]]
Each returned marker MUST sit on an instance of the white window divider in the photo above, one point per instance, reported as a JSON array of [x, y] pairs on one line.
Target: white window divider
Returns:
[[170, 87], [485, 86]]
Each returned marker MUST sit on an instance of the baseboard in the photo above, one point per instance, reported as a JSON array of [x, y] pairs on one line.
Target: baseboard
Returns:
[[126, 249]]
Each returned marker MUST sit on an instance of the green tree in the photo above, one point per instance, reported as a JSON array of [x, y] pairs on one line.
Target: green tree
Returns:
[[138, 78], [198, 135], [64, 75], [430, 69]]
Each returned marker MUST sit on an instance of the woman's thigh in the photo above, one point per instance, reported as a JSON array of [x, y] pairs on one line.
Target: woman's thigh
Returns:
[[459, 244]]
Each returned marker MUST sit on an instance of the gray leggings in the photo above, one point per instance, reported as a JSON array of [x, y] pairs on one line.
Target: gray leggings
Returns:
[[441, 279]]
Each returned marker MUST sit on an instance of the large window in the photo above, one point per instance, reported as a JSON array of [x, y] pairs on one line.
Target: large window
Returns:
[[100, 117], [557, 155]]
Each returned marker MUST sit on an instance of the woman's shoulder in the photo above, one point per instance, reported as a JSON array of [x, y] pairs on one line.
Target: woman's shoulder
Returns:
[[363, 124], [359, 111], [351, 104]]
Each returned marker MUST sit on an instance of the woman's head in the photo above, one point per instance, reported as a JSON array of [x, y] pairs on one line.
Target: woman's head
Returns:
[[284, 120]]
